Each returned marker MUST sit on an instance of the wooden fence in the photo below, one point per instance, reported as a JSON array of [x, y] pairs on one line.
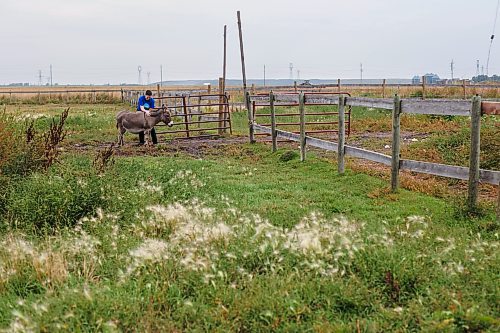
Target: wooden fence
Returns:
[[473, 109]]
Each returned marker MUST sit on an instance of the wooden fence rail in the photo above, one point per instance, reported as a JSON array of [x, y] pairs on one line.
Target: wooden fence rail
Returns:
[[474, 109]]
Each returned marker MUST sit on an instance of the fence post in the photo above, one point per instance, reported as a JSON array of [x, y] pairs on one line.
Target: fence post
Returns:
[[221, 107], [302, 111], [250, 117], [464, 89], [295, 86], [338, 85], [423, 87], [341, 134], [186, 116], [396, 118], [273, 122], [498, 202], [474, 153], [383, 89], [121, 90]]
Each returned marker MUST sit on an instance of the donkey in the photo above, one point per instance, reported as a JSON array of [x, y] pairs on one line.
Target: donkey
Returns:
[[136, 122]]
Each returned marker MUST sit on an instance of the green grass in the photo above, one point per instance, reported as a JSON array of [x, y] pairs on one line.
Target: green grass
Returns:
[[239, 239]]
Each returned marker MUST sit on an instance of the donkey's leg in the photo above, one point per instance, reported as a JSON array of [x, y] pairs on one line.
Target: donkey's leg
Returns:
[[147, 135]]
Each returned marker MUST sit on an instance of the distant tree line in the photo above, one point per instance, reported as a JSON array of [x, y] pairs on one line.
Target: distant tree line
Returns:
[[486, 78]]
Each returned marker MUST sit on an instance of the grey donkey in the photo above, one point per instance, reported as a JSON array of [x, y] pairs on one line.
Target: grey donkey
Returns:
[[136, 122]]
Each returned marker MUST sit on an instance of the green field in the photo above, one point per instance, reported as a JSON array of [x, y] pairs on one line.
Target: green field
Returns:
[[231, 237]]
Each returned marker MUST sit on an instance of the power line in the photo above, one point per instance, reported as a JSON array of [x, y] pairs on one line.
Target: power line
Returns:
[[491, 38]]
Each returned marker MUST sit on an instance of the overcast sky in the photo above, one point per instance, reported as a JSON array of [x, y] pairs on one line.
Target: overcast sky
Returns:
[[103, 41]]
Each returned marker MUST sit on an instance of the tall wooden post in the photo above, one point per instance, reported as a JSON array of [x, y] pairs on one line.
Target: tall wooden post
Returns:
[[464, 89], [383, 89], [224, 58], [295, 86], [341, 136], [302, 111], [396, 120], [338, 85], [242, 54], [273, 122], [474, 153]]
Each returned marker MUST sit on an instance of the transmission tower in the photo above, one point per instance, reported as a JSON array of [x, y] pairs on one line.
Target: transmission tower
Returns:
[[298, 74], [51, 75], [290, 66], [139, 69], [477, 68], [149, 78], [39, 77], [361, 71], [451, 66]]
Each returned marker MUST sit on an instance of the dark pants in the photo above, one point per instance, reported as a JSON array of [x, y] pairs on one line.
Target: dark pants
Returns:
[[153, 137]]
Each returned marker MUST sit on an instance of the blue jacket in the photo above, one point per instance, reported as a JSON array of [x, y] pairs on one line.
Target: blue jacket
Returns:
[[147, 104]]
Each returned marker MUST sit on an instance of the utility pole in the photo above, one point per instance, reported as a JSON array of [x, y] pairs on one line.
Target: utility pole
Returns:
[[264, 75], [298, 74], [139, 69], [361, 71], [482, 70], [51, 75], [477, 68], [149, 78], [290, 66], [452, 68], [39, 77], [161, 75]]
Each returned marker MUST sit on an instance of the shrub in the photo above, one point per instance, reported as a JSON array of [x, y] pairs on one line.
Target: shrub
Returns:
[[44, 203]]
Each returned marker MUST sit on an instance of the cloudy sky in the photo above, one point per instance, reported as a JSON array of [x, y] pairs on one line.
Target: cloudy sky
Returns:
[[103, 41]]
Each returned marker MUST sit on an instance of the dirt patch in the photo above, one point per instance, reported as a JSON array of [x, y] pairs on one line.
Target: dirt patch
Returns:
[[193, 147]]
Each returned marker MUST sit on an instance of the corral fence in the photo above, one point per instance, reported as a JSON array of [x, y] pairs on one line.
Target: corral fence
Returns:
[[473, 109], [318, 112]]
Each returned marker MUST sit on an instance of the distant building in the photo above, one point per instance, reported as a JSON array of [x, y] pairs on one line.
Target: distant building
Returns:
[[431, 78]]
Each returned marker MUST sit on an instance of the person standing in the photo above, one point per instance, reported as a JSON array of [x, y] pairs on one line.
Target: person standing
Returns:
[[145, 103]]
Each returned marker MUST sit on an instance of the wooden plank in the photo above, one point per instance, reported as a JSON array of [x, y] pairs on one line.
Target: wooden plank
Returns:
[[367, 155], [322, 99], [475, 125], [377, 103], [449, 171], [254, 98], [442, 107], [323, 144], [287, 98]]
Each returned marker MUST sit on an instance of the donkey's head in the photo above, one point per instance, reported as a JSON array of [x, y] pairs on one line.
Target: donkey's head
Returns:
[[166, 118]]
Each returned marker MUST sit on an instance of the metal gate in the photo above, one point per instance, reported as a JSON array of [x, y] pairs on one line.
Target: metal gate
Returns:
[[197, 116]]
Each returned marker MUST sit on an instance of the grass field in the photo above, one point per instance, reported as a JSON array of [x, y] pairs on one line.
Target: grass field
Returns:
[[232, 237]]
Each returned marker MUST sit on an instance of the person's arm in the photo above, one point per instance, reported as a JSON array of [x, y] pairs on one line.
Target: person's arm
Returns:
[[141, 106]]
